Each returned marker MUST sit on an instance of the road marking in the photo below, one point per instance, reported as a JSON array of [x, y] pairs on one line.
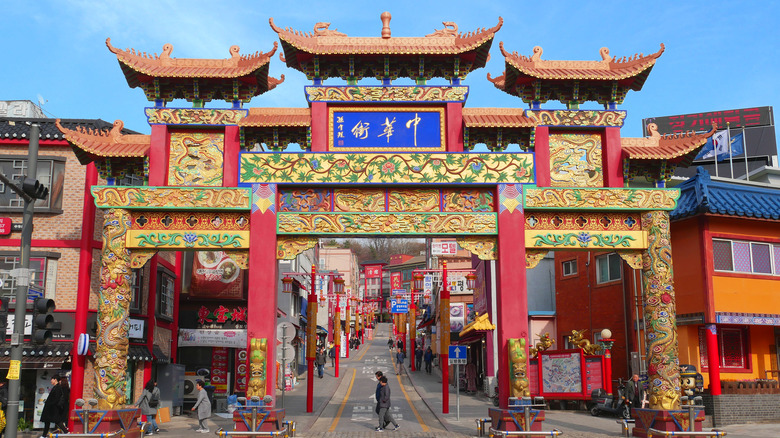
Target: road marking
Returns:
[[411, 405], [365, 350], [344, 403]]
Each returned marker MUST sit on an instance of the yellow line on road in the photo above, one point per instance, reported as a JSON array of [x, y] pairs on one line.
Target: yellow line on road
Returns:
[[343, 402], [367, 347], [411, 405]]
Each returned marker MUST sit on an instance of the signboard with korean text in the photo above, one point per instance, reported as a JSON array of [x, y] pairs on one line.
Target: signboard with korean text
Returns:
[[5, 226], [458, 285], [737, 118], [428, 288], [399, 306], [212, 338], [219, 370], [386, 128], [136, 328], [395, 280], [444, 248]]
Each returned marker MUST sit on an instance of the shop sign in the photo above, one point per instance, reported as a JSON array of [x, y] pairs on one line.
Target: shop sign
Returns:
[[221, 315], [136, 330], [457, 316], [444, 248], [212, 338]]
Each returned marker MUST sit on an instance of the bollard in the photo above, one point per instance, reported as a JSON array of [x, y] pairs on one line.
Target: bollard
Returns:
[[481, 425]]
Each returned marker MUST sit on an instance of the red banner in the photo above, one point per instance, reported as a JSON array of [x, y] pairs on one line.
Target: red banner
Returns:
[[242, 374], [215, 275], [395, 280], [219, 369], [373, 272]]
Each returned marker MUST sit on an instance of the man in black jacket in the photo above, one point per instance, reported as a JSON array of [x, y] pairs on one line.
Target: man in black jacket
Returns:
[[384, 406]]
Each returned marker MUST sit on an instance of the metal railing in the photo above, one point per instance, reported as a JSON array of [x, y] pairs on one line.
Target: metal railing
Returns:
[[120, 433], [503, 433], [667, 433], [481, 425], [624, 422], [283, 432]]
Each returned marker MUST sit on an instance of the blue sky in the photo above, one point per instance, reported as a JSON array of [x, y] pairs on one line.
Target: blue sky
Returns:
[[719, 55]]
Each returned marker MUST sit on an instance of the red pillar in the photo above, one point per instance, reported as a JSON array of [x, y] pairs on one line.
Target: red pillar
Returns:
[[337, 332], [713, 358], [177, 282], [158, 156], [311, 339], [611, 158], [261, 298], [512, 296], [84, 286], [151, 306], [608, 371], [230, 165], [542, 156], [347, 330], [444, 355], [319, 126], [454, 127]]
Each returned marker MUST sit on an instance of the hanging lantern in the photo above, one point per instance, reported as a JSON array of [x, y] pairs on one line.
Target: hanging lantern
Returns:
[[471, 280], [419, 280], [287, 285], [338, 285]]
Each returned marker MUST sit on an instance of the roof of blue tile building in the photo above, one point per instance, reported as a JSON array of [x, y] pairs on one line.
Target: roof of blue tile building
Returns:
[[702, 194]]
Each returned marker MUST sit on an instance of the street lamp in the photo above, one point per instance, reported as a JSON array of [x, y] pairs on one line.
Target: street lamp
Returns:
[[606, 342]]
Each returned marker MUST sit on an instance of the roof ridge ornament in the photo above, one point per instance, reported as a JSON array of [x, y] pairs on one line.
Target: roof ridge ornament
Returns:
[[385, 17], [450, 30], [321, 29]]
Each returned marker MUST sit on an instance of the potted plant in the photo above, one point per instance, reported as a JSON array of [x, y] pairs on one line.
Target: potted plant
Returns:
[[24, 425]]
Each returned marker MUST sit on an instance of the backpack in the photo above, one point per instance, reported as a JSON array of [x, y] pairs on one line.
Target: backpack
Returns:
[[154, 401]]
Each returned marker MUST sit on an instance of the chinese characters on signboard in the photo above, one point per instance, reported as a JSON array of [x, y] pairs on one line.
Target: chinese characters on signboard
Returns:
[[392, 129], [395, 280]]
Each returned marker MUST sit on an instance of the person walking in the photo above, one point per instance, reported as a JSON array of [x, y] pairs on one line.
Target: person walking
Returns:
[[320, 359], [385, 416], [390, 344], [203, 405], [418, 356], [332, 354], [148, 402], [428, 359], [55, 407], [399, 360], [378, 394]]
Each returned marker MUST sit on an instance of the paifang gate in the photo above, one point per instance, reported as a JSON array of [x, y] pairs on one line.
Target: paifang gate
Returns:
[[391, 161]]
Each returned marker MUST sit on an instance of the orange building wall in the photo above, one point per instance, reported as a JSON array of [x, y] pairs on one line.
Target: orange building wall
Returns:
[[688, 267]]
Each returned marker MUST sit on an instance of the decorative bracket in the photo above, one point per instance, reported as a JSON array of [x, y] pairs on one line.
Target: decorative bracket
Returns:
[[482, 247]]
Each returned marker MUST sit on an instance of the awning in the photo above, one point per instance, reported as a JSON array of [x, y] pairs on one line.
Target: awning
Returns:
[[159, 356], [37, 357], [480, 324], [321, 329], [470, 338], [426, 323], [139, 353]]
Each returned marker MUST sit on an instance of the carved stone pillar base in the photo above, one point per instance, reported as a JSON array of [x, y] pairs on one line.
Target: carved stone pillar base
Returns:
[[514, 419], [268, 420], [657, 419], [107, 421]]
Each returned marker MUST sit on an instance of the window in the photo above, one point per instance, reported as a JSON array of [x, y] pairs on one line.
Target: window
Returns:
[[136, 290], [608, 268], [131, 180], [569, 267], [51, 173], [165, 295], [749, 257], [10, 261], [733, 348]]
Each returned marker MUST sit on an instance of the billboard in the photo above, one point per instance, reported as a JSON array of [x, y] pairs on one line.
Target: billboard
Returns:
[[216, 275], [735, 119]]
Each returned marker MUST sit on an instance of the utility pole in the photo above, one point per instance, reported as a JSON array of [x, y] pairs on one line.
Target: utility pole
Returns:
[[30, 191]]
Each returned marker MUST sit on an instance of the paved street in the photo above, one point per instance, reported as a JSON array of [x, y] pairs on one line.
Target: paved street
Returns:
[[343, 407]]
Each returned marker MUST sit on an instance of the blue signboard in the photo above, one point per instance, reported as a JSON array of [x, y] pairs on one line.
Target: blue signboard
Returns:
[[390, 129], [399, 306], [457, 355]]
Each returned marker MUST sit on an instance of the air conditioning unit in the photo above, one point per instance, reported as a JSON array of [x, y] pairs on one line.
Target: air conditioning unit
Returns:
[[190, 391]]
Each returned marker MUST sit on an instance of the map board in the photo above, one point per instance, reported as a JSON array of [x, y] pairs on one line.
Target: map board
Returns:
[[562, 373]]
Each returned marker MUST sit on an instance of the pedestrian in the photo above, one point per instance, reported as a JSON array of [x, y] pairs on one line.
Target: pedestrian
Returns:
[[320, 359], [399, 360], [385, 416], [55, 408], [332, 354], [400, 344], [148, 402], [378, 394], [203, 405], [428, 359], [635, 391], [390, 344], [418, 356]]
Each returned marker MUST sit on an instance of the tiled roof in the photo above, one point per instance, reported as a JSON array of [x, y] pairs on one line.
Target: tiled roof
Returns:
[[680, 148], [323, 41], [89, 144], [608, 69], [271, 117], [496, 118], [701, 194], [164, 66], [14, 128]]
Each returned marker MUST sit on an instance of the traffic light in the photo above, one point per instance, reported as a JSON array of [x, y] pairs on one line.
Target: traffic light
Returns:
[[43, 320], [34, 189], [3, 317]]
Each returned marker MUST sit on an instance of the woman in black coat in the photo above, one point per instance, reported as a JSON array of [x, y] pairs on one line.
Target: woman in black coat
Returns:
[[55, 408]]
